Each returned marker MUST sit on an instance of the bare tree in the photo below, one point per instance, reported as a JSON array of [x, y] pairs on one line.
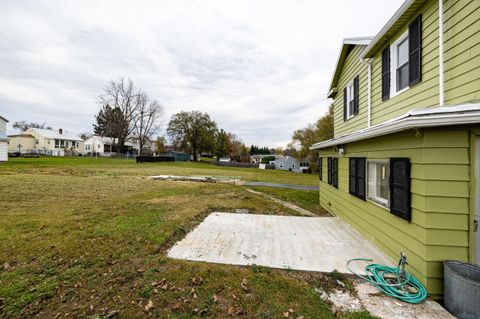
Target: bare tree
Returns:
[[125, 101], [148, 120]]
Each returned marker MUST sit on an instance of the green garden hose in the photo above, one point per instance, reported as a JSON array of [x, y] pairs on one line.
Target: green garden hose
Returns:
[[393, 281]]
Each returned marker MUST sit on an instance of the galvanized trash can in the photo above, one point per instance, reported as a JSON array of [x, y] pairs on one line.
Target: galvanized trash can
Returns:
[[462, 289]]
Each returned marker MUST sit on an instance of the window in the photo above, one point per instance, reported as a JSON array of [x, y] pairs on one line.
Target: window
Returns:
[[357, 176], [402, 61], [62, 143], [57, 143], [87, 147], [98, 146], [333, 171], [293, 165], [400, 67], [378, 182], [350, 99]]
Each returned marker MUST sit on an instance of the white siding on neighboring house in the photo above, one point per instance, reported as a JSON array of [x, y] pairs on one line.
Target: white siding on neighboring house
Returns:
[[3, 140]]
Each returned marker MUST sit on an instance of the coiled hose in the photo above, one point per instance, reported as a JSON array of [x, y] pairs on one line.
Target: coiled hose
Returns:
[[393, 281]]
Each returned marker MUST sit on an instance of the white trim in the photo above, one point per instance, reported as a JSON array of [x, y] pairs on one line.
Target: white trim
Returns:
[[352, 99], [441, 96], [405, 6], [394, 66], [374, 197], [431, 117]]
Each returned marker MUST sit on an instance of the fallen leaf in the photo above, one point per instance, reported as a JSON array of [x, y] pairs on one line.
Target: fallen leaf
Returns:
[[286, 314], [164, 287], [140, 270], [195, 296], [291, 310], [230, 310], [215, 298], [244, 284], [234, 297], [176, 306], [301, 317], [149, 305], [239, 312]]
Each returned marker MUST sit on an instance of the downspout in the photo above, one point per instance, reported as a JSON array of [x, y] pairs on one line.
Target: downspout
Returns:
[[440, 54], [369, 91]]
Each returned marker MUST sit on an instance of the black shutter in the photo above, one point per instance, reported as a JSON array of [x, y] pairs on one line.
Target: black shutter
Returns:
[[415, 51], [400, 197], [360, 181], [320, 173], [345, 104], [335, 172], [357, 177], [386, 73], [356, 83], [329, 173], [352, 176]]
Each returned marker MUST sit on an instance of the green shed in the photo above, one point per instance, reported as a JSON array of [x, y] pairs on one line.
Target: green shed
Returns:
[[179, 156]]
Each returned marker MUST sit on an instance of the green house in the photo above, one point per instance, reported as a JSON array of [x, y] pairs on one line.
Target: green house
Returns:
[[403, 167]]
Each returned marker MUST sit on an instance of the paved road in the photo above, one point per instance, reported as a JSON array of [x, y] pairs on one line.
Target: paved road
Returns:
[[278, 185]]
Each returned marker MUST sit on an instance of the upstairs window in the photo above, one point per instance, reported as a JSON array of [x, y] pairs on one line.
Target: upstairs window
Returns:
[[350, 99], [402, 61]]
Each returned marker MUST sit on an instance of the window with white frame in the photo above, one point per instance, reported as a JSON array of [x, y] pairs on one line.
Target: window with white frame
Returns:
[[87, 147], [350, 100], [399, 72], [378, 182]]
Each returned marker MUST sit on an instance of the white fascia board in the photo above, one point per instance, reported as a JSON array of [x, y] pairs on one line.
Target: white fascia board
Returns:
[[449, 116], [387, 26]]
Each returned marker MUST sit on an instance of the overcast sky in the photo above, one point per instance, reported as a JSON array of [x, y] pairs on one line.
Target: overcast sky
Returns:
[[261, 69]]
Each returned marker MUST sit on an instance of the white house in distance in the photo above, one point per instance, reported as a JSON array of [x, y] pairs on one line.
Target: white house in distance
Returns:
[[3, 139], [105, 146], [291, 164], [47, 142]]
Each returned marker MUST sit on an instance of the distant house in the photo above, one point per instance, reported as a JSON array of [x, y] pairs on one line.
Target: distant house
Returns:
[[47, 142], [21, 143], [106, 146], [3, 140], [257, 158], [180, 156], [291, 164]]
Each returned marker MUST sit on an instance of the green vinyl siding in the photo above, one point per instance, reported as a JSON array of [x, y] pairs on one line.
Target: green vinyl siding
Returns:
[[440, 185], [462, 51], [351, 69], [461, 67]]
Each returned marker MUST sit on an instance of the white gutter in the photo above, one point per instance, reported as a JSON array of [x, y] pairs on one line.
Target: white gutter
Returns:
[[440, 54], [447, 116]]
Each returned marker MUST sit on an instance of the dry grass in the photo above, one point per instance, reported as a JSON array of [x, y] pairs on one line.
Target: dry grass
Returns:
[[91, 245]]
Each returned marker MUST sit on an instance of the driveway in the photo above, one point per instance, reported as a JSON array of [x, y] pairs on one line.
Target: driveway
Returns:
[[302, 243]]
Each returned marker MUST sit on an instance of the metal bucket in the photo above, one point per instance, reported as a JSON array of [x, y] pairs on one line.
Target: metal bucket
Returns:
[[462, 289]]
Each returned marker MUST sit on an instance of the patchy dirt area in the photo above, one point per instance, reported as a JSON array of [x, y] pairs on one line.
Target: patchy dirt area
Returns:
[[367, 297]]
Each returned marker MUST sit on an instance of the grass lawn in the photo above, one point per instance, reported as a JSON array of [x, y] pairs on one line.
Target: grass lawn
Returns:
[[302, 198], [87, 238]]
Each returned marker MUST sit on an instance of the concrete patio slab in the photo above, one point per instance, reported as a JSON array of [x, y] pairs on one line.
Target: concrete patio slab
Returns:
[[302, 243]]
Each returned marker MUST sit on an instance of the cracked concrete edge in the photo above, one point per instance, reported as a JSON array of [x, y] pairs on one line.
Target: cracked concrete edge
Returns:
[[291, 206]]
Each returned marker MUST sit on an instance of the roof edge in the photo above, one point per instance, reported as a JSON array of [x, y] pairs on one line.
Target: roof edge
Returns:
[[433, 117], [401, 11]]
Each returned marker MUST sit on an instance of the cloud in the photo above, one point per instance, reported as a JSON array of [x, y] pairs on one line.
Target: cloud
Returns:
[[261, 69]]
